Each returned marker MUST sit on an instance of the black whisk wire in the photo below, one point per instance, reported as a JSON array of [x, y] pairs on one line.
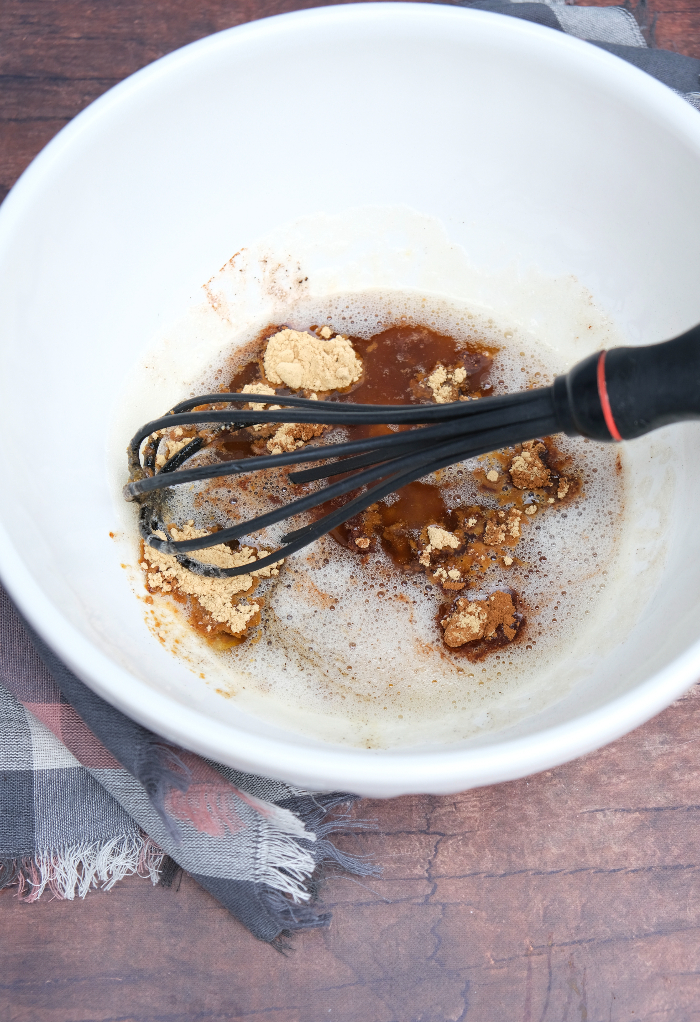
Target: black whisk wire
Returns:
[[331, 412], [609, 396], [487, 412], [388, 462]]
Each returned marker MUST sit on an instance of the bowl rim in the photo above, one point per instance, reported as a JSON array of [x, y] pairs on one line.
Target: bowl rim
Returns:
[[329, 766]]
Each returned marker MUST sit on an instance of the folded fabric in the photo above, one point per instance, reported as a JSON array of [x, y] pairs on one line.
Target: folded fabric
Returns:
[[88, 796], [611, 28]]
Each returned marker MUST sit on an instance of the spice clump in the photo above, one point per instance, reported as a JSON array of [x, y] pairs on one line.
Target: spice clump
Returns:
[[259, 388], [527, 470], [291, 435], [170, 445], [445, 383], [504, 528], [472, 620], [284, 437], [438, 539], [301, 361], [218, 597]]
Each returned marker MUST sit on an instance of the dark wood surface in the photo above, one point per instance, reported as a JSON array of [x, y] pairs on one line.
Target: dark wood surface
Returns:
[[572, 896]]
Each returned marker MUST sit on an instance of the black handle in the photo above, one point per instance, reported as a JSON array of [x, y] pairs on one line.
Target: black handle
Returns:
[[626, 392]]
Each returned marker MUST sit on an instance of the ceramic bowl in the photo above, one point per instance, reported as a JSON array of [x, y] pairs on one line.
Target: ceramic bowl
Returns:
[[532, 149]]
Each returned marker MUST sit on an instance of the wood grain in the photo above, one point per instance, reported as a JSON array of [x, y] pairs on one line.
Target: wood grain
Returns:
[[572, 895], [56, 56]]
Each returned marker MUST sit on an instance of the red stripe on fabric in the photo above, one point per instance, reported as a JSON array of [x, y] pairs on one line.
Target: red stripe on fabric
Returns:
[[70, 729], [209, 803], [210, 810], [605, 400]]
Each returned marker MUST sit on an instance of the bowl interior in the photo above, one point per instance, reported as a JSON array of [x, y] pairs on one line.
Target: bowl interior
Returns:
[[533, 151]]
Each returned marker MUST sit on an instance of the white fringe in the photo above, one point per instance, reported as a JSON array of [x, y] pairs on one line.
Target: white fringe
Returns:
[[278, 817], [283, 853], [79, 868]]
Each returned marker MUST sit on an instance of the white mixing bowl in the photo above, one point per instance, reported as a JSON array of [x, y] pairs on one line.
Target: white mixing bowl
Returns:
[[530, 147]]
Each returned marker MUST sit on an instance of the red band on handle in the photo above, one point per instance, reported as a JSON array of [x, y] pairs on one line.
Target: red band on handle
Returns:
[[605, 400]]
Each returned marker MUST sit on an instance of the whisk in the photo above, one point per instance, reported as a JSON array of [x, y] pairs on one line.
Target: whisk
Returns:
[[610, 396]]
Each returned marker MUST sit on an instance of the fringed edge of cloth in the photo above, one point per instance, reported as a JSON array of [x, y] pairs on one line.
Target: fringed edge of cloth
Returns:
[[76, 869], [293, 861], [288, 891], [292, 858]]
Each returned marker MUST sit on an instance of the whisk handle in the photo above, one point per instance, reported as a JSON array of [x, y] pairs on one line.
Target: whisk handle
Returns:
[[626, 392]]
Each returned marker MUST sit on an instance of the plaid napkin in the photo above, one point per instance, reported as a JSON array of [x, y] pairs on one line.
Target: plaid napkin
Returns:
[[87, 796]]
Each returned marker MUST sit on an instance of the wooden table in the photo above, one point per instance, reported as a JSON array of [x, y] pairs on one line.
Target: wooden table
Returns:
[[573, 896]]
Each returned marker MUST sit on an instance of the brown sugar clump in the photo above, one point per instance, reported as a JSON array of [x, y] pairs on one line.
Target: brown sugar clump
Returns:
[[438, 539], [445, 383], [495, 533], [441, 539], [284, 437], [258, 388], [218, 597], [171, 445], [261, 429], [467, 624], [292, 435], [479, 619], [448, 578], [261, 388], [527, 470], [505, 528], [513, 524], [304, 362]]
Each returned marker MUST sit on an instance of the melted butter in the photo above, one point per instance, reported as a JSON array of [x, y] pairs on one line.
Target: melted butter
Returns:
[[350, 648]]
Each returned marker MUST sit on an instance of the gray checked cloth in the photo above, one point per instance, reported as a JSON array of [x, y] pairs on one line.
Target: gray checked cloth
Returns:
[[87, 796]]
